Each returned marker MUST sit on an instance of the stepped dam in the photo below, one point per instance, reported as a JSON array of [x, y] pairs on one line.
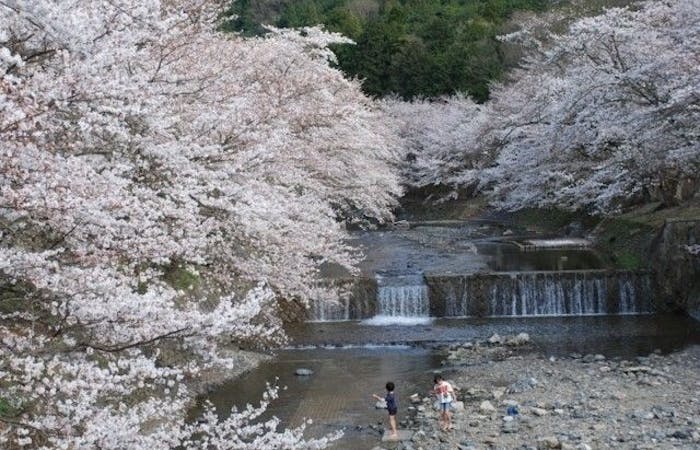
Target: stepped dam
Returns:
[[496, 294]]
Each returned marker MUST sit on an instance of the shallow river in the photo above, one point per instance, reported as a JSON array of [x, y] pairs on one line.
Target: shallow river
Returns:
[[352, 360]]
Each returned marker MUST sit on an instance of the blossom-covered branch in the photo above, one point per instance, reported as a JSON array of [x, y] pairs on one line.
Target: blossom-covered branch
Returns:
[[137, 142]]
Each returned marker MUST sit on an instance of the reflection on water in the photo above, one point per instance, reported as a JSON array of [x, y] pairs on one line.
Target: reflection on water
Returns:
[[338, 394], [384, 320]]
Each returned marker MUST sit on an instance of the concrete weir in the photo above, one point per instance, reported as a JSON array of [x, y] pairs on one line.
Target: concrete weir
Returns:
[[522, 294], [501, 294]]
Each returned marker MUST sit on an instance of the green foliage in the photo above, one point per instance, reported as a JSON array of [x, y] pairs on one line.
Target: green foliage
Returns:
[[413, 48], [7, 409], [180, 278], [625, 242]]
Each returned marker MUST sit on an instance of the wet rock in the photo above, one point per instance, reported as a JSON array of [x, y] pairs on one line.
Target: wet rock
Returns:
[[301, 372], [588, 358], [495, 339], [415, 399], [520, 339]]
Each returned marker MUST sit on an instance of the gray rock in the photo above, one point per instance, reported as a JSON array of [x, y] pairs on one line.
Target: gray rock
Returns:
[[520, 339], [498, 393], [523, 385], [466, 445], [539, 411], [419, 436], [641, 414], [511, 426], [495, 339], [381, 404], [487, 407], [548, 442], [680, 434], [589, 358], [301, 372]]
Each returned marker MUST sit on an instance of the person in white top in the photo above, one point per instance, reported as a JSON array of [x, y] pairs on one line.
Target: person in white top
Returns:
[[445, 395]]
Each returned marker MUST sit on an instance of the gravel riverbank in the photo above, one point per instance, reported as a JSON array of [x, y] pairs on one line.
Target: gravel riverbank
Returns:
[[574, 402]]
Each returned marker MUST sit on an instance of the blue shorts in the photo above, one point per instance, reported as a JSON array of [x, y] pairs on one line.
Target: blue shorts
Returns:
[[393, 411], [444, 407]]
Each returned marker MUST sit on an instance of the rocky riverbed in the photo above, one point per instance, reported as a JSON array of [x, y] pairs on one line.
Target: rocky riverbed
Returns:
[[573, 402]]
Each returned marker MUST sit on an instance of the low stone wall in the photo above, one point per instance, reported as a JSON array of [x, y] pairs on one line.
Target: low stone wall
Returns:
[[677, 272]]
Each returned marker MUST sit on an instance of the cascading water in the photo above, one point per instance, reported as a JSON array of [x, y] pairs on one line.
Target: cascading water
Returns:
[[522, 294], [548, 295], [401, 299], [326, 311]]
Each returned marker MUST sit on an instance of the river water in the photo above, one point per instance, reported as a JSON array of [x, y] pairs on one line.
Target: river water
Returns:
[[419, 277], [352, 360]]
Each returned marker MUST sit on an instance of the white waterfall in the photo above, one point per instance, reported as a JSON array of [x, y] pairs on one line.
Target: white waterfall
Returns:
[[561, 294], [401, 299], [404, 301]]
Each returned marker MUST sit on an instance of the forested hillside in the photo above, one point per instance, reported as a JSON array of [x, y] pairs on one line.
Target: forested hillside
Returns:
[[407, 47], [601, 118]]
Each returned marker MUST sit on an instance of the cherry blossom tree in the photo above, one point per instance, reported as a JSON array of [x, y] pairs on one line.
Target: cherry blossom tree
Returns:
[[442, 141], [599, 118], [606, 116], [137, 140]]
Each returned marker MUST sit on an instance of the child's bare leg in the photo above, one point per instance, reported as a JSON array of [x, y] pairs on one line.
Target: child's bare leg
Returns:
[[392, 424]]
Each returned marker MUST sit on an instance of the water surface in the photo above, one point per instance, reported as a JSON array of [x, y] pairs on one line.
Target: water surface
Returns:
[[352, 360]]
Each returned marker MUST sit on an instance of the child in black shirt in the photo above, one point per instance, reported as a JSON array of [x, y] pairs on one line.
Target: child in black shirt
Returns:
[[392, 407]]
